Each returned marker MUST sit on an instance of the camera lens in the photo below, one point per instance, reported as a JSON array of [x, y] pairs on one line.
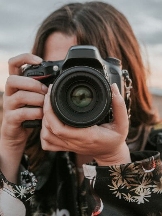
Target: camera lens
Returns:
[[81, 96]]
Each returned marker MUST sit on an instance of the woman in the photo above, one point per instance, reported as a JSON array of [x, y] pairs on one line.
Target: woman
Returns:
[[115, 183]]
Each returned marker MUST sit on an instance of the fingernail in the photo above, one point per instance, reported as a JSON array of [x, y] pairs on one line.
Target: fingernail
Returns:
[[44, 88], [115, 89], [37, 59]]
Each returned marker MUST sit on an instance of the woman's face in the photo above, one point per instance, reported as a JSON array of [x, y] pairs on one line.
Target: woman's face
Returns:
[[57, 46]]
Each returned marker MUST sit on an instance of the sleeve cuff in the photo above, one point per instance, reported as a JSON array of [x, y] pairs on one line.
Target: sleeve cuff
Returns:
[[25, 190]]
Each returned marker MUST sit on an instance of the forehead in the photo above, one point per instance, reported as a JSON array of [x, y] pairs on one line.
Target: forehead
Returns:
[[57, 45]]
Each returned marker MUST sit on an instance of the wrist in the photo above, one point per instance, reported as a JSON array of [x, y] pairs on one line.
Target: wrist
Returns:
[[120, 156], [10, 159]]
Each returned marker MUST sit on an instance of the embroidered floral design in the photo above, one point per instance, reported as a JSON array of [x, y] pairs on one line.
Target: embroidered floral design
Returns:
[[131, 183], [157, 188], [21, 192], [27, 187], [58, 212]]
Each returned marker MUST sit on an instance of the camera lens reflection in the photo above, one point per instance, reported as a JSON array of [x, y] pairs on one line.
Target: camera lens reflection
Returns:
[[81, 96]]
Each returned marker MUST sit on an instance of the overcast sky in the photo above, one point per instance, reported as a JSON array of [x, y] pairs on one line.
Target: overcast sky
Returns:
[[19, 21]]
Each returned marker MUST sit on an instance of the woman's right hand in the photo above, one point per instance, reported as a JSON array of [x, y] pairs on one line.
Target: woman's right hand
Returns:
[[20, 92]]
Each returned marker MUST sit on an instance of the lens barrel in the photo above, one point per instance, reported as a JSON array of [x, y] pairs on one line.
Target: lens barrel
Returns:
[[81, 96]]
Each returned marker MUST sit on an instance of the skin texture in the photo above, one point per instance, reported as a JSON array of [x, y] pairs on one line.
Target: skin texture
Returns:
[[105, 142]]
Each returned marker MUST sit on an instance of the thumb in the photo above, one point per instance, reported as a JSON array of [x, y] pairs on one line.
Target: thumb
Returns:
[[119, 108]]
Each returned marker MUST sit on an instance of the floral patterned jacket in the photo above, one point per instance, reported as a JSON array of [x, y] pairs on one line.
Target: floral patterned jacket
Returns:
[[120, 190]]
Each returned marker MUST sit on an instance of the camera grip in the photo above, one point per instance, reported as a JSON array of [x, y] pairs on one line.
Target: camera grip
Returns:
[[32, 123]]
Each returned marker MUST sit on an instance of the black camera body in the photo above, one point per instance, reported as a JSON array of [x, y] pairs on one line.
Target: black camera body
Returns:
[[81, 92]]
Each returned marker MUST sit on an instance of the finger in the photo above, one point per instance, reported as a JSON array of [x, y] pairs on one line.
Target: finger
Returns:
[[23, 98], [119, 108], [15, 63], [19, 115], [14, 83], [47, 146], [49, 141]]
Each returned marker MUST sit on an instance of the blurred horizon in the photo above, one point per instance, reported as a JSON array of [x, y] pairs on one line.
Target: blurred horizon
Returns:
[[19, 21]]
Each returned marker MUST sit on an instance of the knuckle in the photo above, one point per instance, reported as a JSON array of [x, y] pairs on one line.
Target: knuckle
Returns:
[[11, 60], [35, 85], [44, 145], [22, 114], [40, 101], [57, 132], [6, 115], [9, 80], [38, 113], [93, 138], [19, 96], [44, 141], [5, 105]]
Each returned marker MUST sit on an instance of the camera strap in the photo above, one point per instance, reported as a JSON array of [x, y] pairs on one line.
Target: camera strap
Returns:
[[127, 86]]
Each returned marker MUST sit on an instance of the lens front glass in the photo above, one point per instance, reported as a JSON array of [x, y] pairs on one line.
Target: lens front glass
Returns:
[[81, 96]]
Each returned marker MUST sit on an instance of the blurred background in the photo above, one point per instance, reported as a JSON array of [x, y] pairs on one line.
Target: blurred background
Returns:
[[19, 21]]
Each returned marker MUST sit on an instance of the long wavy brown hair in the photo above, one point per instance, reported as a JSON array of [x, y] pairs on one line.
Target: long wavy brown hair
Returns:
[[99, 24]]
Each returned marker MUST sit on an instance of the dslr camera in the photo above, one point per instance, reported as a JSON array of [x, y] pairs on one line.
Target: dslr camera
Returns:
[[81, 94]]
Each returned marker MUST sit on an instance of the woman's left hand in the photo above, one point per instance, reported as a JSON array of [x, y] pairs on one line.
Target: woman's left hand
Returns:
[[105, 143]]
